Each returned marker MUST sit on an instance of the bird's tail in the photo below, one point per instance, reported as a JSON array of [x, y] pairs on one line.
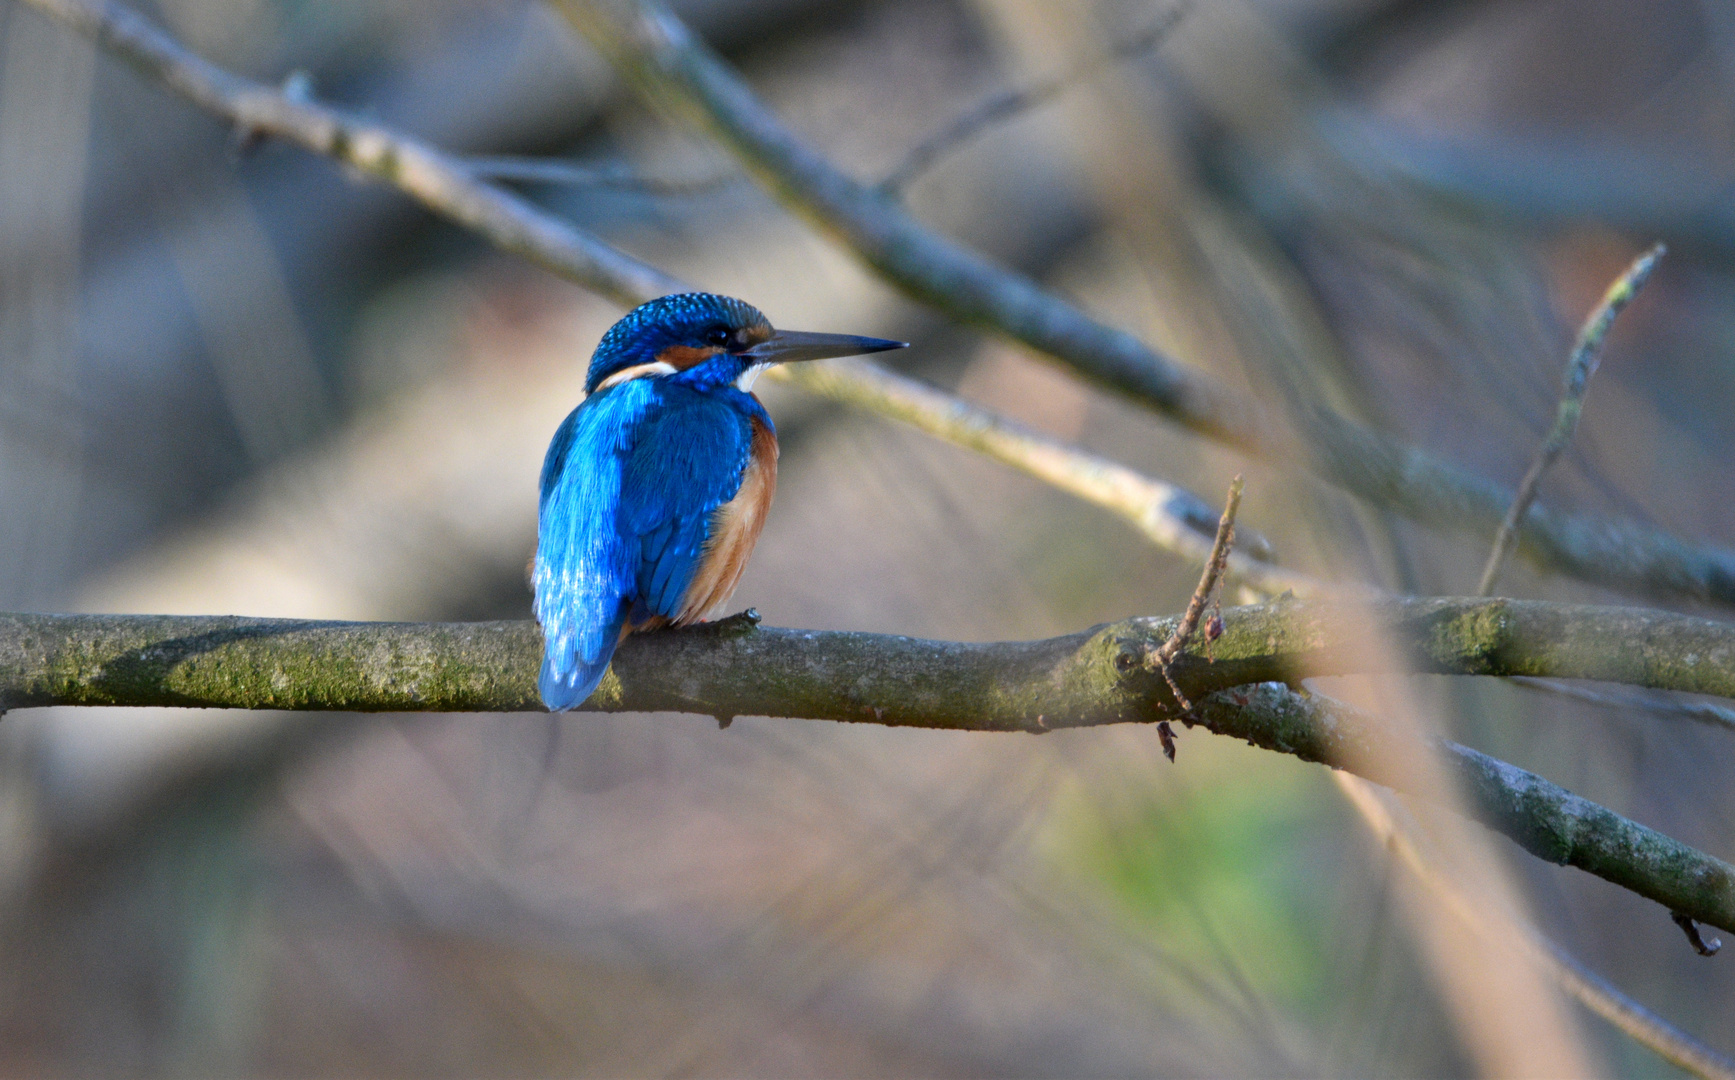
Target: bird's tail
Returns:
[[573, 662]]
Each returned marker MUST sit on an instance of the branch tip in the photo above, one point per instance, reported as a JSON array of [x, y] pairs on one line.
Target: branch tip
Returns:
[[1575, 383], [1704, 946]]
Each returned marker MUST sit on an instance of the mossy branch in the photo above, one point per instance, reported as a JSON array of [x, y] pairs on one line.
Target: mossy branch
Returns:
[[1098, 676], [733, 667]]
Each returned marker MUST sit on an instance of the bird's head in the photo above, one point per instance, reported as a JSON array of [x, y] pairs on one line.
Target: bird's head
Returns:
[[728, 339]]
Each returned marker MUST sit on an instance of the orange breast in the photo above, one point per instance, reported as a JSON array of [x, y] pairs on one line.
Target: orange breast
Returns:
[[734, 530]]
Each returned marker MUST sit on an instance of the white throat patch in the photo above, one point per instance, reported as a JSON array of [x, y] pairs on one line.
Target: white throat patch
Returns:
[[745, 381]]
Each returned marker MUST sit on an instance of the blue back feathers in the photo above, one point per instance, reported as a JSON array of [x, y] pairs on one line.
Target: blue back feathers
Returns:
[[631, 482]]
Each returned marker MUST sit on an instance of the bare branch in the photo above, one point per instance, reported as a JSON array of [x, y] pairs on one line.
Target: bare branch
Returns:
[[1011, 104], [1090, 678], [437, 180], [1170, 517], [1701, 945], [1397, 835], [1208, 580], [674, 70], [1580, 366], [252, 663], [1699, 712], [1543, 818], [542, 170]]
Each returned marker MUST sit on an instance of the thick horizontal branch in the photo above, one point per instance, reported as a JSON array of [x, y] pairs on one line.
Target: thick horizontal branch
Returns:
[[1100, 676], [675, 70], [733, 667]]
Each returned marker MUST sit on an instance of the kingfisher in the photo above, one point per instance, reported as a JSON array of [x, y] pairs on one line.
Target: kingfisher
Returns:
[[655, 487]]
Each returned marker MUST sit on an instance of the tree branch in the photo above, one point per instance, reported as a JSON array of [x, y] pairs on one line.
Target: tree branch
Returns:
[[1575, 383], [1170, 517], [1009, 104], [545, 170], [676, 71], [438, 180], [1543, 818], [1398, 834], [1098, 676], [732, 667]]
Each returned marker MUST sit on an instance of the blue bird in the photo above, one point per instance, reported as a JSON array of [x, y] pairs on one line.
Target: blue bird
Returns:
[[655, 488]]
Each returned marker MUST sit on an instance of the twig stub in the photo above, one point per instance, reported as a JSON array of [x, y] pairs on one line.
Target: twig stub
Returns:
[[1702, 945], [1209, 580]]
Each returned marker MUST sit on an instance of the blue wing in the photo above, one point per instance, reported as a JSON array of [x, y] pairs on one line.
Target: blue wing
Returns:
[[688, 461], [627, 492]]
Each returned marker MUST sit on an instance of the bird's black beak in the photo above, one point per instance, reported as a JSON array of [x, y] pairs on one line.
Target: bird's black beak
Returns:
[[784, 346]]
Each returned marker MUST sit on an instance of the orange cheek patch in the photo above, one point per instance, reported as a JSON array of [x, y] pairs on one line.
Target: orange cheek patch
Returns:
[[682, 357]]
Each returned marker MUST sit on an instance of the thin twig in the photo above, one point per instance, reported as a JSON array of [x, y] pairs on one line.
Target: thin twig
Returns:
[[1010, 104], [1575, 383], [1381, 815], [1699, 712], [1164, 655], [675, 71], [1208, 579], [541, 170]]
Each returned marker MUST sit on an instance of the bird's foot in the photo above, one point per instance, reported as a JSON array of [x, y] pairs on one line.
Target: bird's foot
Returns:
[[742, 622]]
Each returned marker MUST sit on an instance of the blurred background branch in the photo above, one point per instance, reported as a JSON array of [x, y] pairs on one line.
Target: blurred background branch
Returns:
[[676, 71], [1400, 834], [1575, 383]]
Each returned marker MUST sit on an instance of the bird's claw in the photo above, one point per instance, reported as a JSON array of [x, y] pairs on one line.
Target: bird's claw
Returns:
[[742, 622]]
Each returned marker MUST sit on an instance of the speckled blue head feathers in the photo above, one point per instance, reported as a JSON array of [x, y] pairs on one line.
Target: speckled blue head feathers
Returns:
[[685, 321]]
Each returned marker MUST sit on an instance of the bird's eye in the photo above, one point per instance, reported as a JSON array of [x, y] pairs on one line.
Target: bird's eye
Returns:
[[719, 336]]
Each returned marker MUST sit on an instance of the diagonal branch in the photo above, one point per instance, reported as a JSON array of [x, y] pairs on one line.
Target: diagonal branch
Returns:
[[436, 179], [452, 187], [1090, 678], [1009, 104], [676, 71], [1170, 517], [1575, 383], [546, 170], [1397, 832]]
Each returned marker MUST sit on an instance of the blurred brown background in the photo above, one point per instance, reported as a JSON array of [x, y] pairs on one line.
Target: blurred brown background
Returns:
[[245, 383]]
